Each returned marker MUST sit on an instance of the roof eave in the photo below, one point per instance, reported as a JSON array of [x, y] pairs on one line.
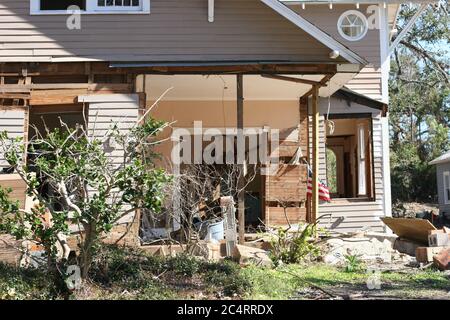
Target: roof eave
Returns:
[[315, 32]]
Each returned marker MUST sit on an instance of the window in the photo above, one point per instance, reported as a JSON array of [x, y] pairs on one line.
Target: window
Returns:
[[119, 5], [447, 187], [62, 4], [352, 25], [90, 6]]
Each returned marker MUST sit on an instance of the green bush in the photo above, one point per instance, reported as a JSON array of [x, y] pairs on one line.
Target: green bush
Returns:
[[353, 264], [294, 247]]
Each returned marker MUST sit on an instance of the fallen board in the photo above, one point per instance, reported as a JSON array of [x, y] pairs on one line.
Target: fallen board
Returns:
[[411, 229]]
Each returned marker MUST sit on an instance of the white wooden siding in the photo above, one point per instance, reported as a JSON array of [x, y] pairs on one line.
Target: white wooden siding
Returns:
[[105, 111], [11, 121], [368, 82]]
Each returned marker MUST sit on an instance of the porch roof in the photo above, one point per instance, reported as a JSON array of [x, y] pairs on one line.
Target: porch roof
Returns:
[[350, 95], [445, 158]]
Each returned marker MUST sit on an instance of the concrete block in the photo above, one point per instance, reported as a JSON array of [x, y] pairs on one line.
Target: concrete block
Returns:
[[439, 240], [406, 246]]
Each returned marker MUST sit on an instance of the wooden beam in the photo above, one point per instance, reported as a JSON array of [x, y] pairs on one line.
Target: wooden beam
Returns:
[[315, 154], [10, 88], [322, 83], [291, 79], [241, 179], [13, 69]]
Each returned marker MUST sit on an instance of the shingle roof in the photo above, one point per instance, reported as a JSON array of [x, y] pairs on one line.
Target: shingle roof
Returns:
[[442, 159]]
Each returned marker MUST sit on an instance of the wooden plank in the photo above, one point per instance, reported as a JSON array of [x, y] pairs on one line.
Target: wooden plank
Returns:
[[17, 185], [277, 215], [411, 229], [98, 68]]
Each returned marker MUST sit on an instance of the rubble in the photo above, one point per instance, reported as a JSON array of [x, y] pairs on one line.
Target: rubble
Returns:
[[370, 249], [442, 259], [247, 255]]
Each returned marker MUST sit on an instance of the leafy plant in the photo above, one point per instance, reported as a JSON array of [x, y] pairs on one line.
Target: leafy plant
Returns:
[[353, 263], [88, 189], [293, 247]]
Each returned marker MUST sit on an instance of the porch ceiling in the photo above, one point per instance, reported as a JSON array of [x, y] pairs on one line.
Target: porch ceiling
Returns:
[[223, 87]]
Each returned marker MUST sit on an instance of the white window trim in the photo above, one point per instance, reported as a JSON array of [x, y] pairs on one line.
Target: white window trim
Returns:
[[361, 16], [362, 183], [91, 8], [446, 183]]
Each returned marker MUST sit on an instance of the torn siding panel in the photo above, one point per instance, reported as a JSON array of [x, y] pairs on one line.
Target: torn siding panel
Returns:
[[13, 122]]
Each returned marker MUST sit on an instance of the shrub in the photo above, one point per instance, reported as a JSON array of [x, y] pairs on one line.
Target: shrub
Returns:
[[294, 247], [353, 263]]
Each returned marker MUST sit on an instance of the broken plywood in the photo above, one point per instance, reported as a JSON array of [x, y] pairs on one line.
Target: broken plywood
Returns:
[[411, 229]]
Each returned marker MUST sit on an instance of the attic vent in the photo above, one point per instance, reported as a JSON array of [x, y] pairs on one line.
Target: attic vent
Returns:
[[61, 4]]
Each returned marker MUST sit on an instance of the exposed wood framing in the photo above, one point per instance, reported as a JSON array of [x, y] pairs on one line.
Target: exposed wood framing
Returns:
[[291, 79], [101, 68]]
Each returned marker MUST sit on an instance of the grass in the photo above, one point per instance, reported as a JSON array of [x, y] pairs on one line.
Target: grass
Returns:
[[120, 274], [287, 281], [125, 274]]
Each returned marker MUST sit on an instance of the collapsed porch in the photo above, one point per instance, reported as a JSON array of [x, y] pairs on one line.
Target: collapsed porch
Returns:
[[53, 88]]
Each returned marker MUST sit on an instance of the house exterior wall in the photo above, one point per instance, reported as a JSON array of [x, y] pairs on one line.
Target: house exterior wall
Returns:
[[13, 122], [349, 215], [369, 80], [283, 115], [243, 30], [440, 169]]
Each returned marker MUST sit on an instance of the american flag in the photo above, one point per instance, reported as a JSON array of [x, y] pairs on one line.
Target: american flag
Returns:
[[324, 192]]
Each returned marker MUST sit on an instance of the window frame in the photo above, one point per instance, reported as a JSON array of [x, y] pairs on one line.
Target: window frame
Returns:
[[359, 15], [91, 8], [446, 185]]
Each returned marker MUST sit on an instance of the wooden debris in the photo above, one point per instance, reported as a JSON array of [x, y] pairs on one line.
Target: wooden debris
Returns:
[[411, 229]]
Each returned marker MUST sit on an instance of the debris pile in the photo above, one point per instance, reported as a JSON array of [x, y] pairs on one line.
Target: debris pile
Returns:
[[431, 245], [368, 248]]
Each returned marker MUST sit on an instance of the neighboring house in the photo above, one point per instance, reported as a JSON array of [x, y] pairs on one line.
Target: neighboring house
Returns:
[[443, 183], [318, 74]]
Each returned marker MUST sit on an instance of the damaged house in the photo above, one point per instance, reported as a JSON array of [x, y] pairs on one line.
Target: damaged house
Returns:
[[317, 73]]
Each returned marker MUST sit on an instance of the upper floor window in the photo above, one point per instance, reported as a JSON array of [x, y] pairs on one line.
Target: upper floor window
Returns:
[[119, 5], [352, 25], [89, 6]]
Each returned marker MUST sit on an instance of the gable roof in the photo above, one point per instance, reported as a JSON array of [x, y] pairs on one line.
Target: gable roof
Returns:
[[350, 95], [442, 159], [315, 32]]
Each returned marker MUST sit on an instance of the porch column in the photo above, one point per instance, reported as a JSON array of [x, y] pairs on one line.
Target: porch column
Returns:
[[241, 179], [315, 154]]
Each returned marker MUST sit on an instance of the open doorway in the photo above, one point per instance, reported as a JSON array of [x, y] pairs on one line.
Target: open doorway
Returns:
[[349, 156], [44, 120]]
